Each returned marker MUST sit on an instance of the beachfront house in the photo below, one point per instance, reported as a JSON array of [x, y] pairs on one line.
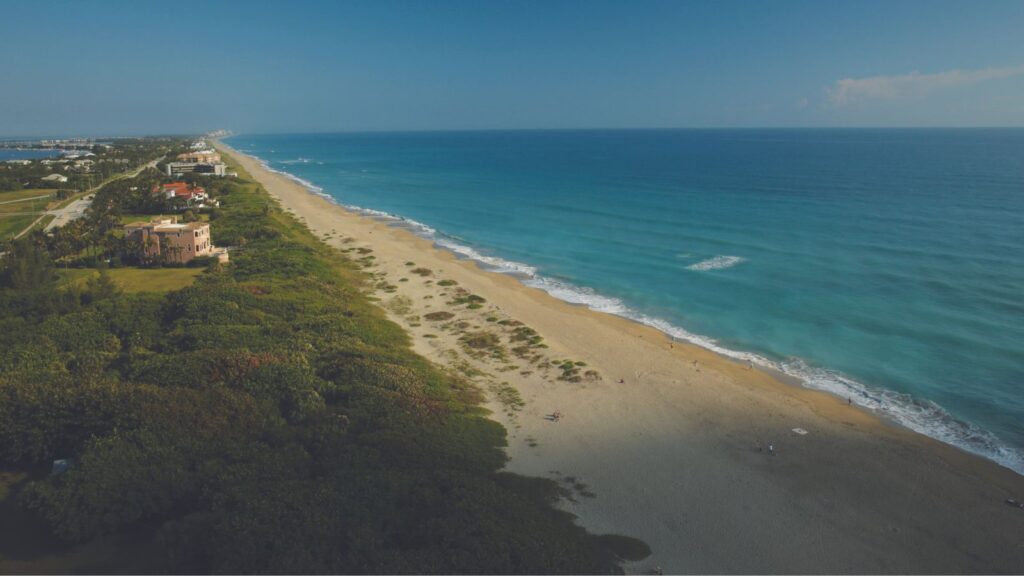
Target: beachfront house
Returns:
[[192, 195], [167, 240], [55, 178]]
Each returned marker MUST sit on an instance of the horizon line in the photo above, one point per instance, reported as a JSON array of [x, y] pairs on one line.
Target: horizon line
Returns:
[[449, 130]]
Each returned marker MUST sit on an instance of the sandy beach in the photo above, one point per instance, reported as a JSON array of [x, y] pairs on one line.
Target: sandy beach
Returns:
[[668, 442]]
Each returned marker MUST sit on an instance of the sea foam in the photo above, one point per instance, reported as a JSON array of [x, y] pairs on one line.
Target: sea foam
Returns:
[[716, 263], [922, 416]]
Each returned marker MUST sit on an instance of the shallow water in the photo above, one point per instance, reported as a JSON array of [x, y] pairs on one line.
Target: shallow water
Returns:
[[883, 265]]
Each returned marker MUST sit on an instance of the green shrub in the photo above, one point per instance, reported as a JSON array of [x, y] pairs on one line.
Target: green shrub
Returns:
[[268, 418]]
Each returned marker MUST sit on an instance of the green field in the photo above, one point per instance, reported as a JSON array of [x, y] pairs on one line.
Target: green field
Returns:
[[11, 225], [24, 206], [22, 194], [131, 218], [12, 222], [135, 279], [42, 224]]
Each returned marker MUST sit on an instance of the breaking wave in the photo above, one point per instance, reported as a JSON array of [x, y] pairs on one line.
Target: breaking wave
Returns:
[[716, 263]]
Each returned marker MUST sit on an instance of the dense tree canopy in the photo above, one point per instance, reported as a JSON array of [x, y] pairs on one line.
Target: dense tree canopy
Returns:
[[266, 419]]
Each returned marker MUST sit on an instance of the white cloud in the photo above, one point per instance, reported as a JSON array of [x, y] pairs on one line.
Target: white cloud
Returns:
[[915, 84]]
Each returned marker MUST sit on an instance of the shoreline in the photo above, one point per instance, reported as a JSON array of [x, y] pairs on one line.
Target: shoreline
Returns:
[[916, 414], [670, 454]]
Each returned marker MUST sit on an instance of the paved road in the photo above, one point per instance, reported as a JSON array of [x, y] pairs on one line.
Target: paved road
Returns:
[[72, 211]]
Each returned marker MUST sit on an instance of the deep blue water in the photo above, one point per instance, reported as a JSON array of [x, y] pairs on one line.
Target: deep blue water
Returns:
[[12, 154], [883, 265]]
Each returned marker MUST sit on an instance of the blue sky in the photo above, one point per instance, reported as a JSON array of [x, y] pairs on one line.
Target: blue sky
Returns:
[[148, 67]]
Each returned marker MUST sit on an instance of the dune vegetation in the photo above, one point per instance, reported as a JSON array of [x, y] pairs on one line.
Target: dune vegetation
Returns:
[[260, 416]]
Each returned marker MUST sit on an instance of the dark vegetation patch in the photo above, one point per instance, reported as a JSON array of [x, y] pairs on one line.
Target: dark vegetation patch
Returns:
[[481, 340], [509, 397], [626, 548], [268, 418], [570, 371], [483, 345], [462, 296]]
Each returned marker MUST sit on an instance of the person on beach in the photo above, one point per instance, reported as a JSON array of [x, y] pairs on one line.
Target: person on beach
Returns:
[[771, 449]]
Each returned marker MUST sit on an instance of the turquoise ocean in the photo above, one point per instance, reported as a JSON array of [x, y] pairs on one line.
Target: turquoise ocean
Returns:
[[885, 266]]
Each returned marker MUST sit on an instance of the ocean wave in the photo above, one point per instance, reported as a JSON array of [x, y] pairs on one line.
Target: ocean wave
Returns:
[[716, 263], [498, 264], [302, 182], [922, 416], [296, 161], [450, 243]]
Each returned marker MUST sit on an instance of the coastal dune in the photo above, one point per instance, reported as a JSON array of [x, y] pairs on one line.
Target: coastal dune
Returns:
[[668, 442]]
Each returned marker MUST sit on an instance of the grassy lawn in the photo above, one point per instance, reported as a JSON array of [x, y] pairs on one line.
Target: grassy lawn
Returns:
[[29, 193], [25, 206], [44, 222], [11, 225], [129, 218], [136, 279], [11, 221]]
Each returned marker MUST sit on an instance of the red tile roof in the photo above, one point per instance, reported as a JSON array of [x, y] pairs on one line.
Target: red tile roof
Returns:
[[179, 189]]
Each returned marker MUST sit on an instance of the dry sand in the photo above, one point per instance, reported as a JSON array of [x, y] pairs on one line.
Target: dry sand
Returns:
[[671, 454]]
